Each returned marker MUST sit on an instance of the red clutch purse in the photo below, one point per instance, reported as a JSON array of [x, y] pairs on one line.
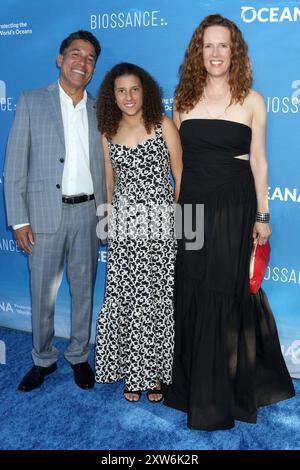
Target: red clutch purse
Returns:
[[259, 261]]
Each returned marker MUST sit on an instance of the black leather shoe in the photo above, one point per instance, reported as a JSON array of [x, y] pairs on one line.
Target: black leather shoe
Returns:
[[35, 377], [83, 375]]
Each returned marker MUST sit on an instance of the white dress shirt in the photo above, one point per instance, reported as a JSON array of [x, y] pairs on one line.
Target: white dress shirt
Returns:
[[77, 178]]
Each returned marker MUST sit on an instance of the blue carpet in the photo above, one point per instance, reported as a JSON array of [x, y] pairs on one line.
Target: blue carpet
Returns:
[[59, 415]]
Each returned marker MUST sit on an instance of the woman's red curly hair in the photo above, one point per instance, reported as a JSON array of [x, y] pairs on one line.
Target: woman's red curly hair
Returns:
[[193, 73]]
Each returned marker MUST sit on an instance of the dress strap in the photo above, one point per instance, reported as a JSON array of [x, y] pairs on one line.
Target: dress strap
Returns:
[[158, 130]]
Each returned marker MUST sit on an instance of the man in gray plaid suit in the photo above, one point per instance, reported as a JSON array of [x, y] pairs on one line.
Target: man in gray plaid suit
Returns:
[[54, 180]]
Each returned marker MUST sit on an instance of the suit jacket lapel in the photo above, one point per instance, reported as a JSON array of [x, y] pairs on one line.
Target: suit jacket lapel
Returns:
[[90, 107], [55, 110]]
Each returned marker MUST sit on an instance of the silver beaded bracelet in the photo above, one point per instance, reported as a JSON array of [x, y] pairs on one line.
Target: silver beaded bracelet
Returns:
[[263, 217]]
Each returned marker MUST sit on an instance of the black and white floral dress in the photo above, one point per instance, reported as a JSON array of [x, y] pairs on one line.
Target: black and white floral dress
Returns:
[[135, 330]]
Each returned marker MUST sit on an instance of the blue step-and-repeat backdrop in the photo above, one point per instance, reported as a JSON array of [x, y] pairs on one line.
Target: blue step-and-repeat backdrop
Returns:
[[154, 34]]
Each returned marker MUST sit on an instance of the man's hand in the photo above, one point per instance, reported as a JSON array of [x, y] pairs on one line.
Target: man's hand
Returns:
[[24, 238]]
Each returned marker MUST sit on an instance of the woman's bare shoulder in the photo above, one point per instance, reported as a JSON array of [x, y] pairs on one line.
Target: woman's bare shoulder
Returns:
[[255, 97], [168, 124]]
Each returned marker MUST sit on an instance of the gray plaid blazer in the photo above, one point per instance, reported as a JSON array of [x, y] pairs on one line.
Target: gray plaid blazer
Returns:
[[35, 160]]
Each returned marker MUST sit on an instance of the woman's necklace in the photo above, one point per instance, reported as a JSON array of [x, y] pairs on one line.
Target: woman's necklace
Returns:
[[211, 115]]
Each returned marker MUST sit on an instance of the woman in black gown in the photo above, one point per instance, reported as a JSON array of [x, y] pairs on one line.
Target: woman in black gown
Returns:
[[228, 360]]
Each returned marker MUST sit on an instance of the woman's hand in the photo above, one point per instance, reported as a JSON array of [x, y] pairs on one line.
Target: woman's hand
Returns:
[[262, 232]]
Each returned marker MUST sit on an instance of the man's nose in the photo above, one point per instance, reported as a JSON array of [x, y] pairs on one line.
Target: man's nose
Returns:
[[83, 60]]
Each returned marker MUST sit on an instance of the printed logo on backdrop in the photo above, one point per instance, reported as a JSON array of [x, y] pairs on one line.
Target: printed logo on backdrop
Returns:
[[283, 275], [15, 29], [270, 15], [285, 104], [7, 244], [283, 194], [168, 104], [102, 254], [6, 102], [131, 18], [7, 307], [292, 352]]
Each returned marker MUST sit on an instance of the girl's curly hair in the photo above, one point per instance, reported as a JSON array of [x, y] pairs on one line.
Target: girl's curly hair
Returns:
[[193, 73], [109, 114]]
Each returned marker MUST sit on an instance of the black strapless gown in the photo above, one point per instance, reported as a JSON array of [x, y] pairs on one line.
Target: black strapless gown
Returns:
[[228, 360]]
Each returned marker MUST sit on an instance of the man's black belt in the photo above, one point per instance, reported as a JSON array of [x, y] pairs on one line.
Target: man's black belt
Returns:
[[77, 199]]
